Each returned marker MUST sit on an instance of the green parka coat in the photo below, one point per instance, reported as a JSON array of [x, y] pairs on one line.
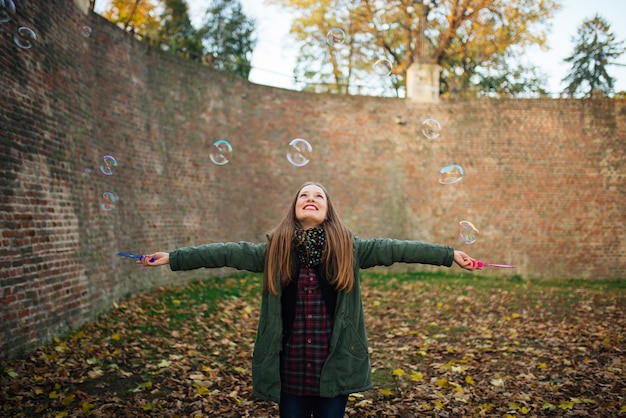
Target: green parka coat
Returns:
[[347, 368]]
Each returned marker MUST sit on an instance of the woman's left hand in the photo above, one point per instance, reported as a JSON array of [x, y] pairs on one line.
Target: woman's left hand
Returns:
[[465, 261]]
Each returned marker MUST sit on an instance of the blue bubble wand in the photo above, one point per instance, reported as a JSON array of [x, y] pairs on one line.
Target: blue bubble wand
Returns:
[[129, 255]]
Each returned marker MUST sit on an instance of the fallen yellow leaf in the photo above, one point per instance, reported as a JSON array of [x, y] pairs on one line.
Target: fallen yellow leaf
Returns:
[[385, 392], [202, 390], [87, 407], [416, 376], [398, 372], [68, 400]]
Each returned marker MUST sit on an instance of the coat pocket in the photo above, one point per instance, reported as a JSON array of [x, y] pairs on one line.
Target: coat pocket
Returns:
[[351, 360], [263, 343], [266, 363]]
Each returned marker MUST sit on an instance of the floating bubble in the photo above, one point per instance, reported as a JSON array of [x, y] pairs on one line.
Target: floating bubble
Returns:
[[109, 165], [299, 152], [383, 67], [108, 201], [221, 152], [87, 172], [85, 31], [24, 37], [451, 174], [467, 232], [7, 10], [431, 129], [335, 37]]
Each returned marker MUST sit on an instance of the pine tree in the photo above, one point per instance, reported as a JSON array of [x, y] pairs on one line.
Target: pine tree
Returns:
[[596, 48], [227, 35]]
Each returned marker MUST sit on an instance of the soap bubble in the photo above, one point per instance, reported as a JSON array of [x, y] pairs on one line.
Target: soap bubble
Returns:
[[7, 10], [335, 37], [221, 152], [85, 31], [467, 232], [383, 67], [87, 172], [299, 152], [24, 37], [108, 201], [451, 174], [431, 129], [109, 165]]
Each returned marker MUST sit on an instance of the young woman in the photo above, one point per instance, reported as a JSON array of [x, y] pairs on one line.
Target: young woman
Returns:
[[311, 348]]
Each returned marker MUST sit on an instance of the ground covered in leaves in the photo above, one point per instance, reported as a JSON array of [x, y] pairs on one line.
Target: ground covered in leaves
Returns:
[[441, 346]]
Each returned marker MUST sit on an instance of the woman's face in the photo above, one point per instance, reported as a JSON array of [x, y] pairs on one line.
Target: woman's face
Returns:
[[311, 206]]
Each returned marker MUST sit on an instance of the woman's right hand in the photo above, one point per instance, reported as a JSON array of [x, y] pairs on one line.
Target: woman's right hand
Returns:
[[155, 259]]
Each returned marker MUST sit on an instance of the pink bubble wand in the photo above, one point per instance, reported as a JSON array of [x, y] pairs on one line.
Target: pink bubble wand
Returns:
[[480, 265]]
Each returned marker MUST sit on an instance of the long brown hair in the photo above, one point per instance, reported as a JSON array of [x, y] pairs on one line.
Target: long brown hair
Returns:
[[337, 257]]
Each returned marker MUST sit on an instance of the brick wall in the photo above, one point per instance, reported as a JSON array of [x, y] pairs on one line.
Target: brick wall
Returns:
[[544, 179]]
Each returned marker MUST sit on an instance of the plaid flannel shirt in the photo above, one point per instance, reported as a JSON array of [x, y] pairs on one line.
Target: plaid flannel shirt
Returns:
[[307, 348]]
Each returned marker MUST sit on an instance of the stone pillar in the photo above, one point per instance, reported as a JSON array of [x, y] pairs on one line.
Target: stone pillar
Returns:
[[422, 83], [83, 5]]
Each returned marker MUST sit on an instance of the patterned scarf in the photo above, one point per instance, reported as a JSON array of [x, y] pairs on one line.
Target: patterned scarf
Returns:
[[309, 244]]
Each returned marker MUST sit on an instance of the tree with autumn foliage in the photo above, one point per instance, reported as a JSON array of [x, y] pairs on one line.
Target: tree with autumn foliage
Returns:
[[225, 40], [478, 44], [596, 48], [136, 16]]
